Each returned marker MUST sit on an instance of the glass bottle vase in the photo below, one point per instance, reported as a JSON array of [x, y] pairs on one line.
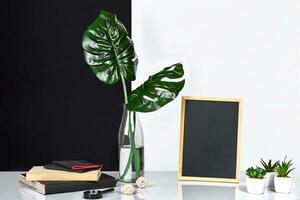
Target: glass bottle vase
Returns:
[[131, 147]]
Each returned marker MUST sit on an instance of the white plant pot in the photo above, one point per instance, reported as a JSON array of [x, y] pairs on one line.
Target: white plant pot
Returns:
[[255, 185], [270, 179], [283, 184]]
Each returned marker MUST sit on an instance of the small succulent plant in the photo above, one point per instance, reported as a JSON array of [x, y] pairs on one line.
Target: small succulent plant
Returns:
[[284, 168], [269, 167], [257, 172]]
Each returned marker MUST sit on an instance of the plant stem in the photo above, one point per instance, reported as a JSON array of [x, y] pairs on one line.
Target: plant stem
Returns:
[[124, 89], [134, 153], [131, 149], [127, 165], [131, 152]]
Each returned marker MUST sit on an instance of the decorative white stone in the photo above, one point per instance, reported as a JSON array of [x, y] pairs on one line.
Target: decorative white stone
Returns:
[[127, 197], [141, 182], [140, 193], [127, 189]]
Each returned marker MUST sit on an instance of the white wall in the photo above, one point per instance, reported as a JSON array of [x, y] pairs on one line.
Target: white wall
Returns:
[[229, 48]]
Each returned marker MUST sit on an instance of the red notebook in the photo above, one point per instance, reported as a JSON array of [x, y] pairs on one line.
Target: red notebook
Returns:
[[73, 166]]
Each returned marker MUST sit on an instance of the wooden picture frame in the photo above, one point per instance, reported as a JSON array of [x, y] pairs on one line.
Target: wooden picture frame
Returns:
[[181, 176]]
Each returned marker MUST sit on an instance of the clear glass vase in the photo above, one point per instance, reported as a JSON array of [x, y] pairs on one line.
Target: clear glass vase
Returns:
[[131, 147]]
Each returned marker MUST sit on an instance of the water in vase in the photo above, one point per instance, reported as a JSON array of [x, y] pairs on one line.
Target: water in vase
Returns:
[[130, 176]]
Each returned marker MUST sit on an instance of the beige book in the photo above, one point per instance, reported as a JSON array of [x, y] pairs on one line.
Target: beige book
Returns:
[[34, 185], [39, 173]]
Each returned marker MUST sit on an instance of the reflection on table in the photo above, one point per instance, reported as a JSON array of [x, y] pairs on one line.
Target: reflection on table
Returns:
[[204, 191], [214, 191]]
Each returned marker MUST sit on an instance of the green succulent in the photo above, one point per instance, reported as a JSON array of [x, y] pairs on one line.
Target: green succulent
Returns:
[[284, 168], [257, 172], [269, 167]]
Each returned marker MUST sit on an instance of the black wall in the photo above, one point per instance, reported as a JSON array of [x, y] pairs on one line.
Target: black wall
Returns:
[[51, 105]]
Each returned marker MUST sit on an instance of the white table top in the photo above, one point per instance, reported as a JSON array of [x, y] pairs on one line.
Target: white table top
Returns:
[[162, 186]]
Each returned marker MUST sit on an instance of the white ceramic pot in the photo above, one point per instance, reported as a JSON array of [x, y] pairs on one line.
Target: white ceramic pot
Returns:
[[283, 184], [270, 179], [255, 185]]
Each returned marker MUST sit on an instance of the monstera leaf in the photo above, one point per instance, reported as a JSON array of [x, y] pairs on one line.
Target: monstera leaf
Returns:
[[108, 50], [156, 91]]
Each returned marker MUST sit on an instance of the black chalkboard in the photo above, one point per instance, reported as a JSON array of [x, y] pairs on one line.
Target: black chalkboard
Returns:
[[209, 146]]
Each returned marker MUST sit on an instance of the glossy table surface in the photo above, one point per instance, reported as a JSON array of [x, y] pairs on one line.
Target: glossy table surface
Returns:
[[162, 186]]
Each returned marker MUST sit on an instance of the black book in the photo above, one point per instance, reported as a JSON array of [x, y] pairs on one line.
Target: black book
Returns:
[[54, 187]]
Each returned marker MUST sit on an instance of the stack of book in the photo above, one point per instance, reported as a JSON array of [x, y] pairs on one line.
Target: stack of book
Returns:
[[54, 178]]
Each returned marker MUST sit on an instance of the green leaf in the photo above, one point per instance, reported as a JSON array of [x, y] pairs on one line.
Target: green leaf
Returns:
[[108, 50], [156, 91], [289, 171], [269, 167], [284, 168]]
